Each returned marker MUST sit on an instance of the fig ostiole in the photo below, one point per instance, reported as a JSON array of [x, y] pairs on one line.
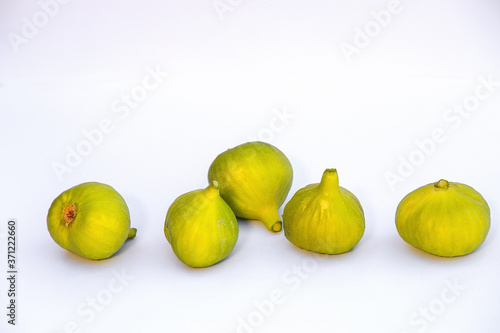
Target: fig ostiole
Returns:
[[447, 219], [201, 227], [254, 178], [324, 218], [91, 220]]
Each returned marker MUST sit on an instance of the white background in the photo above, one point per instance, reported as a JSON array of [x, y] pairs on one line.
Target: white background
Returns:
[[229, 75]]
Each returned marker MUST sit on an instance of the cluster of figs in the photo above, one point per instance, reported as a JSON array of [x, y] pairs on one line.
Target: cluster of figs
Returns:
[[252, 181]]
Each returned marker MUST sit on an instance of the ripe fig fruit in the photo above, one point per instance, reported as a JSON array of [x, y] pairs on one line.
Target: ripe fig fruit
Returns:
[[445, 218], [91, 220], [254, 178], [324, 217], [200, 227]]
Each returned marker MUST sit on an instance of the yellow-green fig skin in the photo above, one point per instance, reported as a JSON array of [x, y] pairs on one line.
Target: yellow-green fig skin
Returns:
[[325, 217], [446, 219], [201, 227], [254, 178], [91, 220]]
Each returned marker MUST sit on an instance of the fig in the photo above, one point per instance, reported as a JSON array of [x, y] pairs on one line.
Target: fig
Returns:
[[324, 217], [254, 178], [446, 219], [91, 220], [201, 227]]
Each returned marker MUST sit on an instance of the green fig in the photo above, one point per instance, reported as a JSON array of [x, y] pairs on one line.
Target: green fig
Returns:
[[324, 217], [91, 220], [200, 227], [444, 218], [254, 178]]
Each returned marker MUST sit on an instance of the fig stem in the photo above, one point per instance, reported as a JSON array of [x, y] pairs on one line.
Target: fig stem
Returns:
[[131, 233], [272, 220], [214, 184], [277, 226], [212, 190], [329, 181], [442, 184]]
